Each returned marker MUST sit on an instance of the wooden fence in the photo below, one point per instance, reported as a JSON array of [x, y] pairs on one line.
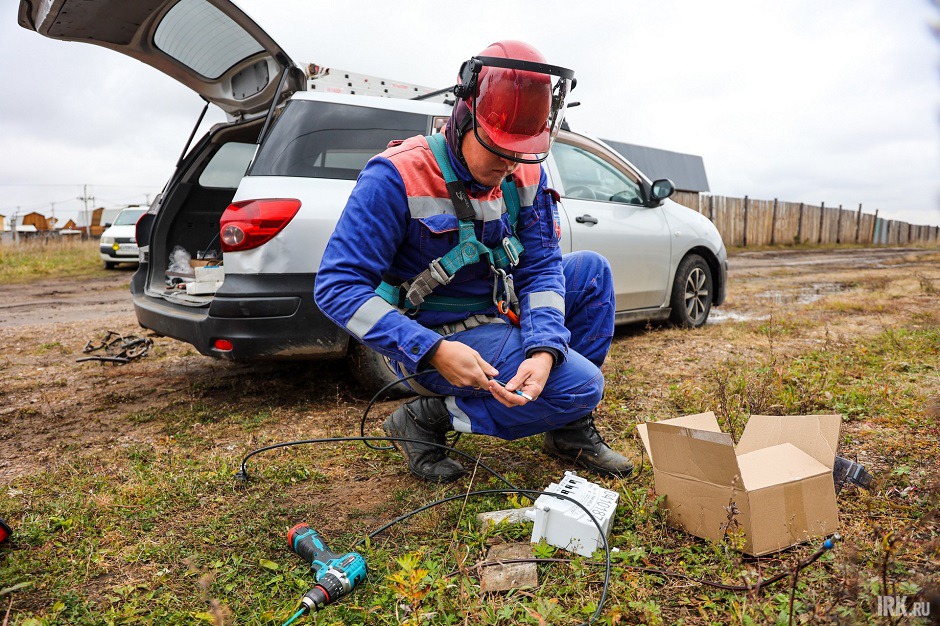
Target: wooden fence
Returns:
[[746, 222]]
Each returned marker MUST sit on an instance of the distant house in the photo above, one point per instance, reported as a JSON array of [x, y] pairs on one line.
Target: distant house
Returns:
[[686, 171], [3, 222], [101, 218], [38, 220]]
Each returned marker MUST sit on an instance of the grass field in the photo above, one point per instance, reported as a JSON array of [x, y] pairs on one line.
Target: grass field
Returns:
[[34, 260], [151, 528]]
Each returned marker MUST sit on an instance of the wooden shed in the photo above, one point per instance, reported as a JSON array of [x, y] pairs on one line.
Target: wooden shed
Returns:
[[35, 219]]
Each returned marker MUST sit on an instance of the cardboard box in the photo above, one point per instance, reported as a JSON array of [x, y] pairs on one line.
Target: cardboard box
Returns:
[[778, 477]]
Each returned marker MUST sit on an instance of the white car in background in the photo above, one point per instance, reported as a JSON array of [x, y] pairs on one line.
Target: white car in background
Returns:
[[118, 243], [265, 190]]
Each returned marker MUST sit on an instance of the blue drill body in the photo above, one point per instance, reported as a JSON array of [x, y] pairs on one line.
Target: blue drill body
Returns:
[[336, 574]]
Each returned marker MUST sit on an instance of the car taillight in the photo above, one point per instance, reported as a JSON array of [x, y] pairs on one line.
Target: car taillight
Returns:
[[249, 223]]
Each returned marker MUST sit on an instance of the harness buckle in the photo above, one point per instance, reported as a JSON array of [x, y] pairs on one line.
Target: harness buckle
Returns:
[[438, 272], [510, 251]]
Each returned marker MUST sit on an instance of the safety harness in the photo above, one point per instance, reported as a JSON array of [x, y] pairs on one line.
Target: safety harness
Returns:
[[415, 294]]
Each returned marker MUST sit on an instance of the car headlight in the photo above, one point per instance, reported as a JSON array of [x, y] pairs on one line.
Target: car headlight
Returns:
[[107, 241]]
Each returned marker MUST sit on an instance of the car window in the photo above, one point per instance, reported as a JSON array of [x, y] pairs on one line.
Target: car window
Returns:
[[227, 166], [329, 140], [128, 218], [204, 39], [586, 175]]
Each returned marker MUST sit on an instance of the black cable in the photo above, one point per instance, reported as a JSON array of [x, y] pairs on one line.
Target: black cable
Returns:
[[375, 398], [242, 473], [756, 587]]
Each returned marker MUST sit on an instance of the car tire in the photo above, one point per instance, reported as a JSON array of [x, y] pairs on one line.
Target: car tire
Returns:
[[372, 371], [692, 292], [110, 265]]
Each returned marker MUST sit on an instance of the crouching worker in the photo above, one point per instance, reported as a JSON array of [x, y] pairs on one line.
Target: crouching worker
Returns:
[[447, 259]]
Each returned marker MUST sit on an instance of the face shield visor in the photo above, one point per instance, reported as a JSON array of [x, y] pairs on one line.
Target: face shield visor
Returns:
[[517, 106]]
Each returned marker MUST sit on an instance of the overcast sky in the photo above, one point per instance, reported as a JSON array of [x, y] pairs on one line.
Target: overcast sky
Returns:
[[804, 100]]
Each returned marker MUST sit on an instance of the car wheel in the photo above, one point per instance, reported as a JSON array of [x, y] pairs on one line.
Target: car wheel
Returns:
[[692, 292], [372, 371], [109, 265]]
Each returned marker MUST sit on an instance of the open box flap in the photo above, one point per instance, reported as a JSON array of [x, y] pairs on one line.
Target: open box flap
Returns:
[[816, 435], [699, 421], [777, 465], [700, 454]]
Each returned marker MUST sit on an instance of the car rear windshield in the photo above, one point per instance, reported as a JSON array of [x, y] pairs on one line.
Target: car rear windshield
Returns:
[[328, 140]]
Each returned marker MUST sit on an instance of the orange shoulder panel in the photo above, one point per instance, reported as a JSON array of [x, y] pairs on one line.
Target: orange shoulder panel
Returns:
[[418, 168], [528, 175]]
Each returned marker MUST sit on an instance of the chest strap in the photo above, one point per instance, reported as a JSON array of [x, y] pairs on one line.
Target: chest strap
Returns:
[[417, 292]]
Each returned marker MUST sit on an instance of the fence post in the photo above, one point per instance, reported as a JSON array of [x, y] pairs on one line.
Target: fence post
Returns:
[[839, 226], [745, 222], [822, 213], [711, 208], [799, 225], [858, 223], [773, 222], [874, 225]]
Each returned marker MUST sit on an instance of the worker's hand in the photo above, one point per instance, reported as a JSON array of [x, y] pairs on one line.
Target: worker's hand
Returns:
[[530, 379], [462, 366]]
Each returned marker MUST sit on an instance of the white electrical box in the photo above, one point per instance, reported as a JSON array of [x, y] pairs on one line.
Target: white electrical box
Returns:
[[207, 274], [564, 524]]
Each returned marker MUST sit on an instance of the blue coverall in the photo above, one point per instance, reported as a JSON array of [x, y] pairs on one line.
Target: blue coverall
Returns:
[[381, 234]]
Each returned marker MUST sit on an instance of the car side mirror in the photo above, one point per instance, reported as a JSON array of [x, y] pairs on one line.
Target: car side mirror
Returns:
[[662, 189], [107, 224], [659, 191]]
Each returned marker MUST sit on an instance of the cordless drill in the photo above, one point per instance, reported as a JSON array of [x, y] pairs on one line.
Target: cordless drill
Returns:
[[336, 574]]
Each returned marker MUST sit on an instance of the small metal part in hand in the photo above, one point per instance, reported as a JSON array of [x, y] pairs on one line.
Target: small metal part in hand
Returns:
[[117, 348], [517, 391]]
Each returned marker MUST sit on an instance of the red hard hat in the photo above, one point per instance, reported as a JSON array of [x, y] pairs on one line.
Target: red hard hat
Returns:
[[513, 106]]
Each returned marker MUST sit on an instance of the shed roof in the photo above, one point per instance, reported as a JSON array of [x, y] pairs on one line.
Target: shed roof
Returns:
[[686, 171]]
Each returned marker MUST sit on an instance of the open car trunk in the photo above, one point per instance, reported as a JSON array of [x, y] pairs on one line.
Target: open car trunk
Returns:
[[185, 231]]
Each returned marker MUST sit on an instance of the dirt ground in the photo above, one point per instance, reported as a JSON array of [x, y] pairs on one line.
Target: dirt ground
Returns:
[[50, 404]]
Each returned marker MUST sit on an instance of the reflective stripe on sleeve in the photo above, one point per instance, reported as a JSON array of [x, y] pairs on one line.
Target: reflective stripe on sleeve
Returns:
[[550, 299], [367, 316], [459, 419]]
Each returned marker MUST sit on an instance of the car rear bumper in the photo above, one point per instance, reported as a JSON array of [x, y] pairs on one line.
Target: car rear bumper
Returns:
[[266, 316]]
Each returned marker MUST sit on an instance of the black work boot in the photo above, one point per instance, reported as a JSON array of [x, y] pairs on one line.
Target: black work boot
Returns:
[[425, 419], [580, 443]]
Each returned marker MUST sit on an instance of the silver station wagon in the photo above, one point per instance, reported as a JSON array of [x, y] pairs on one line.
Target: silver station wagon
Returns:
[[229, 250]]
